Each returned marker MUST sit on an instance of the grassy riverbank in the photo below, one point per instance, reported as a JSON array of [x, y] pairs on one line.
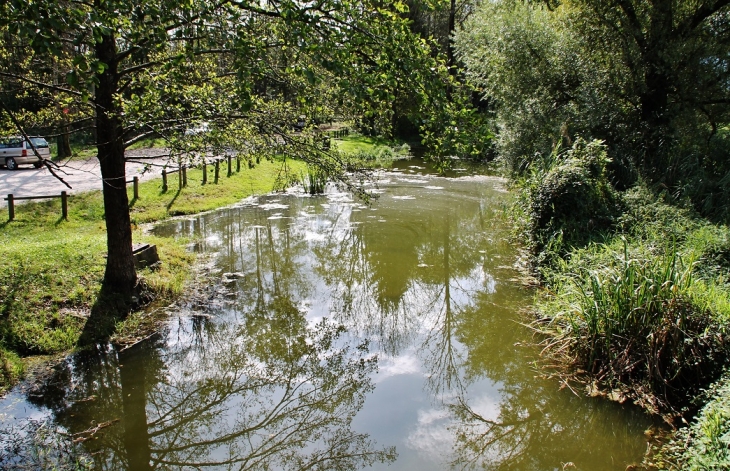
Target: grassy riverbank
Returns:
[[51, 269], [636, 299]]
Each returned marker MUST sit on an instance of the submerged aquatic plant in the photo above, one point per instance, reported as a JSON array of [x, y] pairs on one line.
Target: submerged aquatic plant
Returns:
[[637, 322], [36, 445]]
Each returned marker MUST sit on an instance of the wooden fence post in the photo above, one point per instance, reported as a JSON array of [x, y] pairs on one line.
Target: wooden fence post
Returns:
[[64, 205], [164, 180], [217, 169], [229, 165], [238, 163], [205, 172], [11, 208], [135, 182]]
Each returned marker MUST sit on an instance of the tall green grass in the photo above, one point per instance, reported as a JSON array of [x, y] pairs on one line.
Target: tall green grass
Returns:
[[314, 181], [638, 321]]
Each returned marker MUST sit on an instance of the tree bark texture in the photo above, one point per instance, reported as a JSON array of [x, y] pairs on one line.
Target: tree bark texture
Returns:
[[120, 276]]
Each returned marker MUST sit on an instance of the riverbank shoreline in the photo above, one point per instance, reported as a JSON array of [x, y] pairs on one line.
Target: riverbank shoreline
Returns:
[[50, 270], [635, 303], [47, 319]]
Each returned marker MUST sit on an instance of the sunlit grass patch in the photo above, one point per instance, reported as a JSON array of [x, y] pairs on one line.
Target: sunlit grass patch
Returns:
[[355, 143], [11, 368], [51, 269], [155, 204]]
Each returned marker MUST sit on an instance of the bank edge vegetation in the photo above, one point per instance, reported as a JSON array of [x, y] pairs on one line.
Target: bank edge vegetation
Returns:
[[610, 115]]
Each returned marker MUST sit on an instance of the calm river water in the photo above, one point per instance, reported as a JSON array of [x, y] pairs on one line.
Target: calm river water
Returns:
[[336, 335]]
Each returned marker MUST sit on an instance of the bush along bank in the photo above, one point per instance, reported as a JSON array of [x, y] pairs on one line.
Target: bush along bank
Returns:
[[708, 435], [636, 303]]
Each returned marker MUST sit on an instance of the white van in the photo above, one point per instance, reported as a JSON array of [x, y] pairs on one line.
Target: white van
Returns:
[[16, 151]]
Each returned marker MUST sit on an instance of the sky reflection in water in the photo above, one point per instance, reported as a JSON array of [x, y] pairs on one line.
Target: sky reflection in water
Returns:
[[312, 295]]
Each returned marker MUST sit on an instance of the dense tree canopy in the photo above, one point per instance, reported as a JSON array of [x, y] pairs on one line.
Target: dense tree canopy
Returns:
[[648, 77], [242, 70]]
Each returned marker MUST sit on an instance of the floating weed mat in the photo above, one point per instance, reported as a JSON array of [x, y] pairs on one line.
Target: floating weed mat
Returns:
[[636, 326]]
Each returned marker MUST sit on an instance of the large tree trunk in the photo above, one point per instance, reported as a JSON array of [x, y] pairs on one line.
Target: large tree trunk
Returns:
[[63, 143], [120, 277], [654, 98]]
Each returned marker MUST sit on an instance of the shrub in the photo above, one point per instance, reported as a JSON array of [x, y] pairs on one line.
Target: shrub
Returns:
[[705, 445], [568, 201]]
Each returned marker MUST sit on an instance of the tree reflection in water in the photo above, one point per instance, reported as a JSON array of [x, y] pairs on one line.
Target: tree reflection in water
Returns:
[[455, 306], [218, 404], [265, 387]]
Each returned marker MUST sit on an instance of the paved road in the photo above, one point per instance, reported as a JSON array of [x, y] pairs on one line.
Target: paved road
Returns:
[[82, 175]]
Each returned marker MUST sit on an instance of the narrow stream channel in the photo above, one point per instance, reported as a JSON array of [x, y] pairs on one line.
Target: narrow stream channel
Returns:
[[337, 335]]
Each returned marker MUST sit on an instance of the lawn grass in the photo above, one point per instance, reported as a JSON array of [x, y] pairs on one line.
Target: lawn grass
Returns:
[[355, 143], [51, 269]]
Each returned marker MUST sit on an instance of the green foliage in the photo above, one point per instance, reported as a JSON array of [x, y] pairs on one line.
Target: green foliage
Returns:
[[11, 368], [567, 200], [638, 320], [647, 217], [528, 64], [208, 78], [51, 270], [456, 129], [645, 309], [705, 444], [315, 181], [653, 90]]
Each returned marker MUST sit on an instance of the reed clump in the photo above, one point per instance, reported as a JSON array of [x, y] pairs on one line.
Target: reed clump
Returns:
[[639, 325], [315, 180]]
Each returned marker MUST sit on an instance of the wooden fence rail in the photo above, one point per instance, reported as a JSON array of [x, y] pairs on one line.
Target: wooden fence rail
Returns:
[[182, 171], [340, 133], [11, 199]]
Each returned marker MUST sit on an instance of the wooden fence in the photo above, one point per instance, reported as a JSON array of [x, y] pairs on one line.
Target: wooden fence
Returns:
[[11, 199], [182, 171], [340, 133], [135, 180]]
